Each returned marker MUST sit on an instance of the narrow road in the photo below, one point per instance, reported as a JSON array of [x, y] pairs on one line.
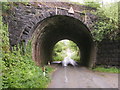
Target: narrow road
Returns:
[[81, 77]]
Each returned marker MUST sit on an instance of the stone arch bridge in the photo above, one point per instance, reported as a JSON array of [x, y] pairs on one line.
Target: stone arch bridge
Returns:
[[46, 23]]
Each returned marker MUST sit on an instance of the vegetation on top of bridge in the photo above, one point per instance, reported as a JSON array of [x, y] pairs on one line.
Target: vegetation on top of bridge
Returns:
[[107, 24]]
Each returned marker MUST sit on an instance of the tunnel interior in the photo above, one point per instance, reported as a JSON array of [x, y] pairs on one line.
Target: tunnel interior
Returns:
[[53, 29]]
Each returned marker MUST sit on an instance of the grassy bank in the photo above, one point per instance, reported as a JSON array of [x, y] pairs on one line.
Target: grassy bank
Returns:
[[21, 72], [18, 69], [110, 69]]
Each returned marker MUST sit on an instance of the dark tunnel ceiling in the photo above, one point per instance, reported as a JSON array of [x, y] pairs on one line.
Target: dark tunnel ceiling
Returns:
[[56, 28]]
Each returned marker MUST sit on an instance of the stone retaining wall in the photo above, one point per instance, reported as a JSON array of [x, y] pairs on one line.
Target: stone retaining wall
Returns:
[[108, 53]]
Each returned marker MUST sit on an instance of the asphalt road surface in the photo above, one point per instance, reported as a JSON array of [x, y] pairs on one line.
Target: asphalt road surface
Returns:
[[81, 77]]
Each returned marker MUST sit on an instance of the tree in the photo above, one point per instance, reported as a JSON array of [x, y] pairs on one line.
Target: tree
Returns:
[[61, 49]]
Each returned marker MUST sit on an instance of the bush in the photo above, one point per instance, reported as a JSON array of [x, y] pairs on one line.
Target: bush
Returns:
[[111, 69], [106, 26], [19, 71], [93, 4], [76, 58]]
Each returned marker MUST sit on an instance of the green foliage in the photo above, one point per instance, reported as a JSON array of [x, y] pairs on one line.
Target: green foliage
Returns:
[[102, 29], [76, 58], [111, 69], [3, 35], [5, 6], [18, 0], [111, 11], [60, 50], [93, 4], [19, 71], [106, 26]]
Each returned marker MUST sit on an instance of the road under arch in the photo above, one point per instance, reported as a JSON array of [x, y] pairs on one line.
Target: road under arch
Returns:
[[53, 29]]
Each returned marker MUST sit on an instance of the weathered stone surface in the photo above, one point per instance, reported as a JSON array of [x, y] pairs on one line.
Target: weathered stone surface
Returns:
[[30, 15], [25, 20], [108, 53]]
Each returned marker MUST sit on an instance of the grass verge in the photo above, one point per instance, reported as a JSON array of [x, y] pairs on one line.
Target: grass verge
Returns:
[[110, 69]]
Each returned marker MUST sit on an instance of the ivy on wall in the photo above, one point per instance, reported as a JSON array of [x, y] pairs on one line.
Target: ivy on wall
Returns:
[[106, 26]]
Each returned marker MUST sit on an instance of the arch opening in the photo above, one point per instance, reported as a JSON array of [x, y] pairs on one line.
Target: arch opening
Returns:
[[66, 48], [56, 28]]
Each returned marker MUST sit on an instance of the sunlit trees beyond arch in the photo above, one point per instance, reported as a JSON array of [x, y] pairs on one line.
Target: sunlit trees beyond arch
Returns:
[[66, 48]]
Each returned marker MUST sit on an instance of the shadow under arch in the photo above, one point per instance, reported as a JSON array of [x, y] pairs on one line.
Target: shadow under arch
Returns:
[[59, 27]]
